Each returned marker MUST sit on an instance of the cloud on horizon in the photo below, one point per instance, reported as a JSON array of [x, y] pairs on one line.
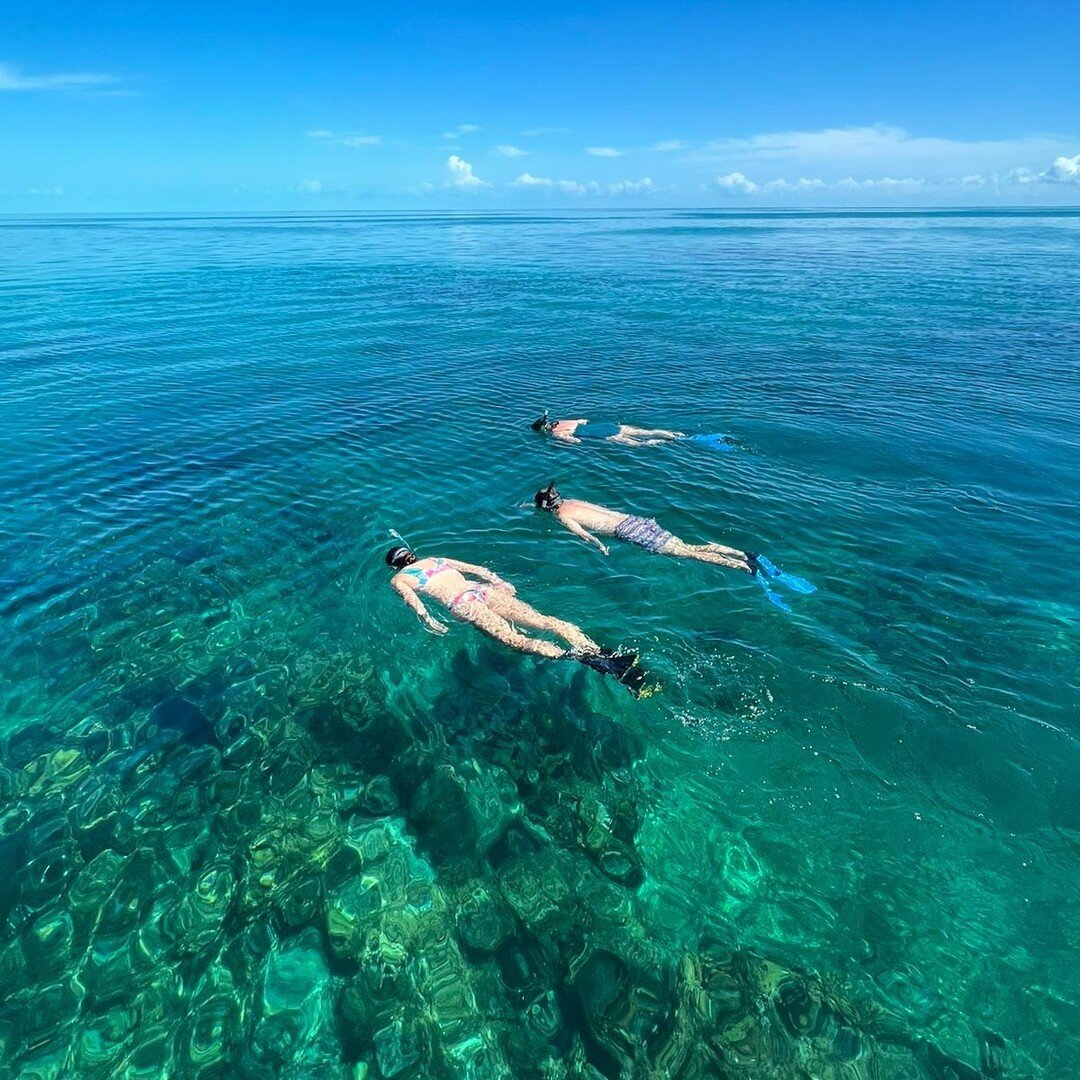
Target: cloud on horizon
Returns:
[[603, 151], [644, 186], [510, 151], [462, 175], [1063, 170], [877, 149]]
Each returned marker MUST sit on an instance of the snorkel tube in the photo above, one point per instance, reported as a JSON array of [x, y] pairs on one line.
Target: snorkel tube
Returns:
[[542, 423], [402, 554]]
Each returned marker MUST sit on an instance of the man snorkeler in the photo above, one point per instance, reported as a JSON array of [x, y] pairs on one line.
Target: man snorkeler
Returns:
[[584, 519], [578, 431]]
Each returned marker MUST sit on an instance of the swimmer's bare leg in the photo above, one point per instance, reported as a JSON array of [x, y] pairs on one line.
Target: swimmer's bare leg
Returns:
[[495, 626], [707, 553], [510, 607], [660, 434]]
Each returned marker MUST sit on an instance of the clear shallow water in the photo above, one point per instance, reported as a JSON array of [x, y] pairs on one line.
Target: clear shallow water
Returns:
[[255, 822]]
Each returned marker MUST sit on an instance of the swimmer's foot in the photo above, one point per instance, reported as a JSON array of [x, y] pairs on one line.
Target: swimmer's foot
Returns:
[[759, 564], [714, 442], [623, 667]]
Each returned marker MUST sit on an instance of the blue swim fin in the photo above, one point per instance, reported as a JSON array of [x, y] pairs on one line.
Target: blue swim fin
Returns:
[[774, 597], [714, 442], [796, 584]]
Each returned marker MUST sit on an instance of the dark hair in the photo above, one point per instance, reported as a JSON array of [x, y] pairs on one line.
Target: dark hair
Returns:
[[539, 425], [399, 557], [547, 498]]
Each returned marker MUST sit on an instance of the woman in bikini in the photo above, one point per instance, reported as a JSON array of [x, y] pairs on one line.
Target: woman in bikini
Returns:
[[479, 596]]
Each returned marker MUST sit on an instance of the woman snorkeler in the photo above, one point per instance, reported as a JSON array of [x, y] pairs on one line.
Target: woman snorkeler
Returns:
[[479, 596]]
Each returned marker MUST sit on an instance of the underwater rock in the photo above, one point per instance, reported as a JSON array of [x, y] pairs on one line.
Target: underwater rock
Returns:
[[48, 944], [992, 1054], [462, 811], [942, 1066], [625, 1010], [194, 921], [213, 1023], [300, 902], [101, 1045], [477, 1058], [193, 552], [94, 816], [483, 922], [14, 852], [295, 999], [535, 888], [58, 770], [379, 797], [799, 1007], [398, 1047]]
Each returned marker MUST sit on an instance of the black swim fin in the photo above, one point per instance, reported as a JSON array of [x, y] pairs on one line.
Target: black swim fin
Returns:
[[623, 667]]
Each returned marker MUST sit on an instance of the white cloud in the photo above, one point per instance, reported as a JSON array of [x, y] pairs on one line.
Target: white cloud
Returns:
[[334, 139], [528, 180], [1064, 170], [311, 187], [803, 184], [886, 183], [461, 129], [644, 186], [530, 133], [877, 150], [737, 182], [669, 144], [462, 175], [12, 79], [510, 151], [51, 192], [603, 151], [740, 184]]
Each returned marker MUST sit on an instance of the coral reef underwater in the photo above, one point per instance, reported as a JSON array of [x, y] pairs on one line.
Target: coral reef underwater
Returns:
[[294, 873]]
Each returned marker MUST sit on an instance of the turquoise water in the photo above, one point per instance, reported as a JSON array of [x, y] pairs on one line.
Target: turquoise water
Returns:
[[255, 822]]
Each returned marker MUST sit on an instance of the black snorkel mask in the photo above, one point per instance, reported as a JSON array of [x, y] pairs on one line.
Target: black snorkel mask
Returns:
[[401, 554], [543, 423], [548, 498], [399, 557]]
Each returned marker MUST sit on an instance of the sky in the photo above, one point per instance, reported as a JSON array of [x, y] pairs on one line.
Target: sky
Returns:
[[143, 107]]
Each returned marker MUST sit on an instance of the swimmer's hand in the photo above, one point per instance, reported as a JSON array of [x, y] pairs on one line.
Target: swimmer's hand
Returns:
[[434, 626], [605, 549], [504, 585]]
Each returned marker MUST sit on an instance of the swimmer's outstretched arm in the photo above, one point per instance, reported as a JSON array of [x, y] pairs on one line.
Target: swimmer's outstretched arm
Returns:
[[564, 436], [583, 534], [414, 601], [483, 573]]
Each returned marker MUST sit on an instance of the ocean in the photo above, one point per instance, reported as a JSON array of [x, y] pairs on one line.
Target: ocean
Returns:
[[254, 821]]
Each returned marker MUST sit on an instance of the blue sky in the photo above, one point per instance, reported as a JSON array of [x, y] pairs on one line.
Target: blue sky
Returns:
[[351, 106]]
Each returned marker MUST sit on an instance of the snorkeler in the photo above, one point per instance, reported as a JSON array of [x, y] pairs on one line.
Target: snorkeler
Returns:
[[584, 519], [576, 431], [476, 595]]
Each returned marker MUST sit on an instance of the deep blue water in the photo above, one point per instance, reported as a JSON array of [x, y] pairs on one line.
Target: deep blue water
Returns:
[[210, 702]]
